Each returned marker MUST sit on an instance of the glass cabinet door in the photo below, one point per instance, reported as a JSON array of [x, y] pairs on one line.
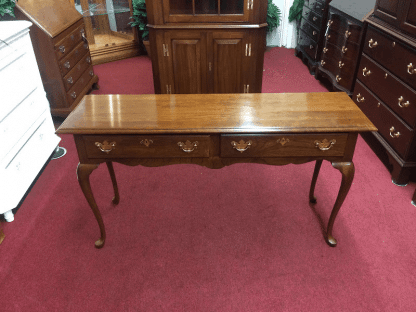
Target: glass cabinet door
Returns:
[[207, 10]]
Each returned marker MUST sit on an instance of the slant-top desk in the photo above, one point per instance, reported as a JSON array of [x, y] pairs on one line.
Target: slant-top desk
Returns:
[[216, 130]]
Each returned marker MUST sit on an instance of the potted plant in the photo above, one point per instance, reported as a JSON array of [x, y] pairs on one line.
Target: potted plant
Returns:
[[7, 9], [273, 16], [139, 17]]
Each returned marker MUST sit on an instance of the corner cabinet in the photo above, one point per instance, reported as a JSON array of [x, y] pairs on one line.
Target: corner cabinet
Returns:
[[207, 46]]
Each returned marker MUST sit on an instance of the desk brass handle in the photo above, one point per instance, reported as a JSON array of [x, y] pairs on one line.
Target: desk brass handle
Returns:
[[360, 98], [338, 78], [392, 134], [188, 146], [324, 145], [324, 50], [347, 34], [410, 69], [372, 43], [366, 72], [344, 49], [404, 104], [241, 146], [340, 64], [106, 147]]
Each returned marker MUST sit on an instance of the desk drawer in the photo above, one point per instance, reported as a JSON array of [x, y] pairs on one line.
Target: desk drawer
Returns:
[[66, 45], [147, 146], [276, 145]]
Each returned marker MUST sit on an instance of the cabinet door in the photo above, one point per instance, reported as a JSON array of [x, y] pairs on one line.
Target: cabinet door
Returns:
[[227, 61], [388, 10], [186, 62], [408, 18]]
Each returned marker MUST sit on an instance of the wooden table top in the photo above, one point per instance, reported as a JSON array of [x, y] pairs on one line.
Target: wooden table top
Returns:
[[216, 113]]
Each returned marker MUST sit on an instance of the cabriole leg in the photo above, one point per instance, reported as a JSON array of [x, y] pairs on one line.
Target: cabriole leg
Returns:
[[312, 197], [116, 198]]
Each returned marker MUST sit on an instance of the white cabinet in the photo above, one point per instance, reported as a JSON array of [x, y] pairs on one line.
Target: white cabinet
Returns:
[[27, 134]]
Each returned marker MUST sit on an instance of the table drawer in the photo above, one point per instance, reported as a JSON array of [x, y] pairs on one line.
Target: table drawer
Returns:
[[147, 146], [393, 54], [276, 145], [66, 45], [67, 63], [392, 128], [398, 96]]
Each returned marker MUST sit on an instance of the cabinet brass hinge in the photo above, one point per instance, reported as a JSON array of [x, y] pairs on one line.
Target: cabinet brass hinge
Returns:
[[165, 50]]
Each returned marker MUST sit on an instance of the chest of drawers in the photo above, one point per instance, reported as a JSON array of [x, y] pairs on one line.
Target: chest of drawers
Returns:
[[311, 32], [26, 128], [386, 92], [340, 52], [61, 50]]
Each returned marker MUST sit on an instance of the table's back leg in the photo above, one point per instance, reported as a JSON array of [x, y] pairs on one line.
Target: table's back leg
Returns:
[[347, 170], [83, 173], [116, 198], [312, 197]]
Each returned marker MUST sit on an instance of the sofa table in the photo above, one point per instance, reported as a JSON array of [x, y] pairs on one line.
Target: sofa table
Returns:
[[216, 130]]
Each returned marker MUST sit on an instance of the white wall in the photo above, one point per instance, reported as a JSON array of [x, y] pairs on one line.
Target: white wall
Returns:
[[285, 34]]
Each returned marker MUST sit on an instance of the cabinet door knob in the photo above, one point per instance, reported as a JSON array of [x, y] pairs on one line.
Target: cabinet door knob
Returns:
[[406, 104], [366, 72], [372, 43], [360, 98], [393, 134], [410, 69]]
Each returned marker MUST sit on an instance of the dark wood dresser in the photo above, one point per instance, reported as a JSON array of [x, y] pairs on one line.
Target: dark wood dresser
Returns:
[[386, 83], [311, 33], [61, 50]]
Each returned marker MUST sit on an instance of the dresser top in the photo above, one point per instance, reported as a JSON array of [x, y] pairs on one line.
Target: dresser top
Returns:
[[355, 8], [216, 113], [11, 28]]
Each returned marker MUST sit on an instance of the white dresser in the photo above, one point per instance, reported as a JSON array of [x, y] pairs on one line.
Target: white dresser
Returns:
[[27, 134]]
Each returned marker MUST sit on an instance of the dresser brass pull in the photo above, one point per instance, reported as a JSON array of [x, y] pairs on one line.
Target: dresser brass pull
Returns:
[[324, 145], [386, 75], [344, 49], [314, 32], [106, 147], [74, 95], [91, 73], [340, 64], [330, 23], [372, 43], [241, 146], [88, 59], [83, 36], [70, 80], [146, 142], [404, 104], [328, 36], [410, 69], [311, 47], [314, 18], [392, 134], [322, 62], [67, 64], [188, 146], [325, 50], [338, 78], [360, 98], [366, 72], [347, 34], [62, 49]]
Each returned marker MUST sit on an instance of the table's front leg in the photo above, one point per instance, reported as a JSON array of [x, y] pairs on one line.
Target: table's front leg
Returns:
[[116, 198], [347, 170], [83, 174]]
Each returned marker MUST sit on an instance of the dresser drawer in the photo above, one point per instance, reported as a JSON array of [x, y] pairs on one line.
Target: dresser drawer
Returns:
[[65, 46], [310, 30], [76, 72], [342, 70], [67, 63], [391, 127], [392, 91], [393, 54], [312, 17], [79, 85], [315, 5], [147, 146], [326, 144], [338, 48], [307, 44], [347, 30]]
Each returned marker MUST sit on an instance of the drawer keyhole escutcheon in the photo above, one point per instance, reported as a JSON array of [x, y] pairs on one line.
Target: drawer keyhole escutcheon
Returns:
[[410, 69], [366, 72], [372, 43], [360, 98], [392, 134], [146, 142], [106, 147], [324, 145], [188, 146], [242, 145], [401, 99], [283, 141]]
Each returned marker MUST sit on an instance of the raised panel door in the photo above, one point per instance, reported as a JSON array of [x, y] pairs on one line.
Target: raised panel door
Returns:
[[226, 61], [186, 62], [408, 20], [388, 10]]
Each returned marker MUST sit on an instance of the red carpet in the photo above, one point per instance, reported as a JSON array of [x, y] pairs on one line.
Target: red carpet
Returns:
[[187, 238]]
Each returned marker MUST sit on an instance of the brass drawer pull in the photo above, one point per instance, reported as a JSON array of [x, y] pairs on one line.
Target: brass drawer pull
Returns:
[[88, 60], [372, 43], [360, 98], [322, 62], [314, 32], [188, 146], [328, 36], [106, 147], [70, 80], [347, 34], [330, 23], [410, 69], [324, 145], [311, 47], [91, 73], [392, 134], [74, 95], [366, 72], [340, 64], [338, 78], [67, 65], [146, 142], [62, 49], [314, 18], [83, 36], [344, 49], [404, 104], [324, 50], [241, 146]]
